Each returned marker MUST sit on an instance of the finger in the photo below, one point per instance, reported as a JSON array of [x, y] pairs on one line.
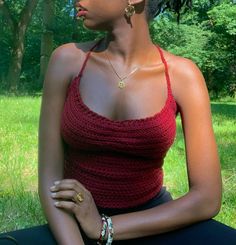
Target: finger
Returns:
[[68, 195], [69, 184], [66, 181], [69, 181], [61, 187], [69, 192], [69, 206]]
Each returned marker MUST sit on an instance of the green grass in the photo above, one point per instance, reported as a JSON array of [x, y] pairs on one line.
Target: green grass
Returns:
[[224, 114], [19, 203]]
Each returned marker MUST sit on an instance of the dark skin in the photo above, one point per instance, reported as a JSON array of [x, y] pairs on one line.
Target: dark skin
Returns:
[[144, 95]]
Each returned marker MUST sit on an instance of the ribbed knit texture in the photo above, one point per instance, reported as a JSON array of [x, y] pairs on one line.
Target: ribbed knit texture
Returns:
[[119, 162]]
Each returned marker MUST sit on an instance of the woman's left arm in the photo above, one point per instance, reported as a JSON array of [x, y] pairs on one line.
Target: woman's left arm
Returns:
[[204, 197], [203, 200]]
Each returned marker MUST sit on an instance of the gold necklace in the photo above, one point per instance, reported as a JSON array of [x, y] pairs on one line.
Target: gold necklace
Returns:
[[121, 84]]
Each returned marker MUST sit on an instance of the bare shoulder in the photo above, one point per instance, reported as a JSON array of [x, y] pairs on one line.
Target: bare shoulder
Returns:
[[187, 80], [71, 50], [65, 62], [71, 55], [183, 69]]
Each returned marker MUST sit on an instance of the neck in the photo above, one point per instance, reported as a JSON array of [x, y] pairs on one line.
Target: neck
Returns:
[[129, 44]]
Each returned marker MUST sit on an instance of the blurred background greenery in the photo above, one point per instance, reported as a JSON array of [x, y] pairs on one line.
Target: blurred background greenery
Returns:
[[31, 29]]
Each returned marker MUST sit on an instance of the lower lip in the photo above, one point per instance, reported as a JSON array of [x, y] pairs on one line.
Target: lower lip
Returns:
[[82, 13]]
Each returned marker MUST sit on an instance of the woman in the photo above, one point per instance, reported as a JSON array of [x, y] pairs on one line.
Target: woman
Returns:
[[105, 131]]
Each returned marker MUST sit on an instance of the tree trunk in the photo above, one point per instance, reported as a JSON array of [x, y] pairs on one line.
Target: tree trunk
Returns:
[[19, 30], [14, 70], [47, 37]]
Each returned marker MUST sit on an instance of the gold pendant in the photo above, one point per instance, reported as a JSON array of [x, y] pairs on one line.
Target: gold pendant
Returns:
[[121, 84]]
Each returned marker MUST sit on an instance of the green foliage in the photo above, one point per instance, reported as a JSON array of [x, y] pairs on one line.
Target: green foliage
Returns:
[[206, 34], [223, 17], [187, 41]]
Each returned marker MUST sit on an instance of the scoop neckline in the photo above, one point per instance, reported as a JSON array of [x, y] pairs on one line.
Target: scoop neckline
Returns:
[[77, 79], [114, 121]]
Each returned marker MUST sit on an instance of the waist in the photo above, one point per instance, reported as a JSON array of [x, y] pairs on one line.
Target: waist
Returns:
[[115, 185], [161, 197]]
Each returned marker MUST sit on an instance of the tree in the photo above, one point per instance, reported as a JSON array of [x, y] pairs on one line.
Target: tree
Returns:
[[223, 22], [47, 36], [206, 35], [18, 29]]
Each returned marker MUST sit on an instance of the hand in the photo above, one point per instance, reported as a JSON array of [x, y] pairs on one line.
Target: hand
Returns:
[[83, 207]]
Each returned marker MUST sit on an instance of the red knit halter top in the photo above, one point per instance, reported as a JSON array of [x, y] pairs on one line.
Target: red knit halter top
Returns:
[[119, 162]]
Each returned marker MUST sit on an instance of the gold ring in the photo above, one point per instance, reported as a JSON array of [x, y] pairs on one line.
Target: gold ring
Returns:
[[79, 197]]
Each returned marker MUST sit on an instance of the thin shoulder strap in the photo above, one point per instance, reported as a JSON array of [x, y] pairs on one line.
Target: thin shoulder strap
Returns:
[[87, 57], [166, 68]]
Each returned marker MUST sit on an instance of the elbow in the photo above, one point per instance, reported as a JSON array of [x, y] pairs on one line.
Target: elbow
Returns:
[[213, 210], [209, 207]]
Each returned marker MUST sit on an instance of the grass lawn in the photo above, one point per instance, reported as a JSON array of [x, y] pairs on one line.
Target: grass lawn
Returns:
[[19, 203]]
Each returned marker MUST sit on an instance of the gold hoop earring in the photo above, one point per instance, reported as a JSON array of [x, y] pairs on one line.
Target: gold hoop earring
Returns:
[[129, 10]]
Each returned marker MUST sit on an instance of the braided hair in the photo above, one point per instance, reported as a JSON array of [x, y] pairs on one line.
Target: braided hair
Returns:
[[155, 7]]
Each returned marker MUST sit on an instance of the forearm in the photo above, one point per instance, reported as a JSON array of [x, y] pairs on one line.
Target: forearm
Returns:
[[170, 216], [63, 225]]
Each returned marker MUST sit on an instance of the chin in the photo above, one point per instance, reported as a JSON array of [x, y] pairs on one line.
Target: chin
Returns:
[[91, 25]]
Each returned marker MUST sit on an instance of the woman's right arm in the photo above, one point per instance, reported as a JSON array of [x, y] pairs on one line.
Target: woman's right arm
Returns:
[[51, 157]]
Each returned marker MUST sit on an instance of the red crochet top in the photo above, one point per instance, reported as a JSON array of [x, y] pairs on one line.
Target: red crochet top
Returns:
[[119, 162]]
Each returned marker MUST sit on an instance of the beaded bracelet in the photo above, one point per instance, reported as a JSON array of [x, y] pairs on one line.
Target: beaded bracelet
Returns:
[[103, 231], [110, 230], [106, 223]]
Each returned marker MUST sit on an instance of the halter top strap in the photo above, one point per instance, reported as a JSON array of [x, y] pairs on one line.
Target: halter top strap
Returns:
[[162, 59], [87, 57], [166, 69]]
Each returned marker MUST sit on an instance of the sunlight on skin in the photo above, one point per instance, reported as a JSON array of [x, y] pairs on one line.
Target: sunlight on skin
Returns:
[[18, 164]]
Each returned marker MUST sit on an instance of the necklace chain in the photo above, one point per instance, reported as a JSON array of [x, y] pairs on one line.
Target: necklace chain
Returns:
[[121, 84]]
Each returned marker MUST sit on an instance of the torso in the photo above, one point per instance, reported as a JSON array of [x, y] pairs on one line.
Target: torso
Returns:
[[124, 134], [145, 93]]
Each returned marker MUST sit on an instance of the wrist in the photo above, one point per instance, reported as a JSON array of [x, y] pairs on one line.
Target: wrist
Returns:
[[107, 231]]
